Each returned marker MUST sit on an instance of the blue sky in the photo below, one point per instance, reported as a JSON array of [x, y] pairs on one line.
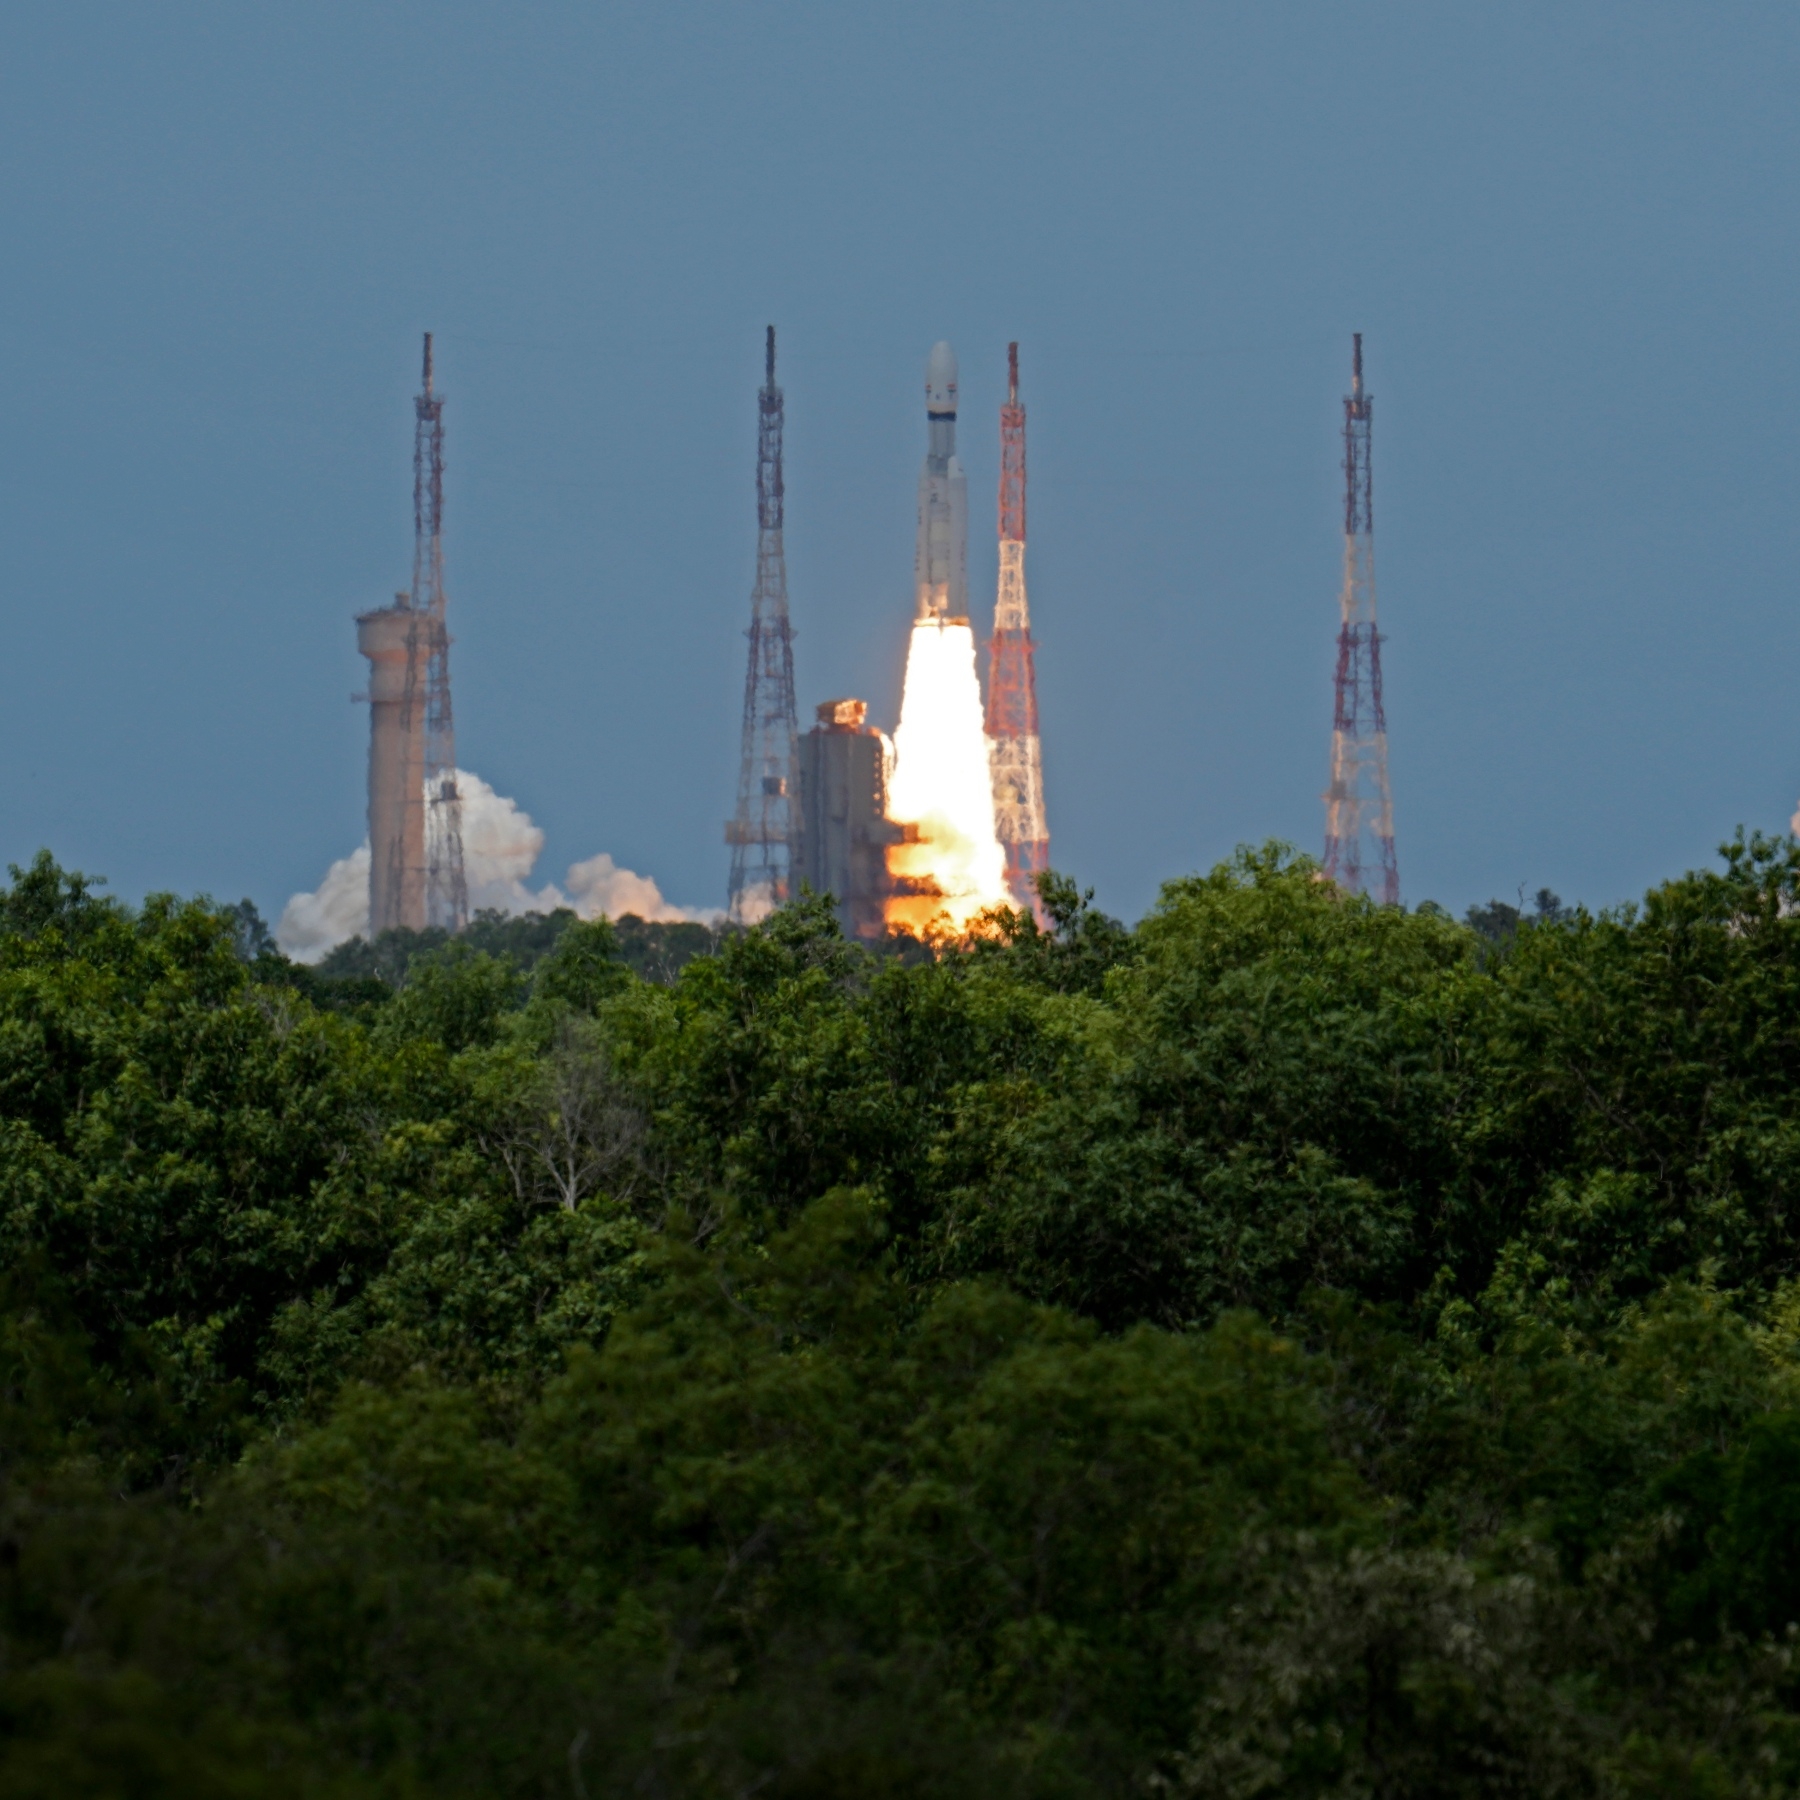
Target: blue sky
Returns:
[[1567, 232]]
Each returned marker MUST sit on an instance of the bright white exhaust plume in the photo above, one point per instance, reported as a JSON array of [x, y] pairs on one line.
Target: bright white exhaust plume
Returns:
[[500, 849], [942, 783]]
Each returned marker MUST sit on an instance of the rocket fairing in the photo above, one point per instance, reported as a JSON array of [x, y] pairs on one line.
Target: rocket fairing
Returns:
[[941, 565]]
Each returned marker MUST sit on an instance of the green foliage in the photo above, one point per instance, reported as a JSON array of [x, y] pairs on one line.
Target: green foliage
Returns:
[[584, 967], [1634, 1090], [1076, 952], [1264, 1103], [453, 997], [1291, 1347], [655, 950], [46, 900]]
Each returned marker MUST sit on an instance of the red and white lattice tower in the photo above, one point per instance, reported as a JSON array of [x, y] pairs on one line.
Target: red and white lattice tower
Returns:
[[446, 890], [1359, 811], [1014, 753]]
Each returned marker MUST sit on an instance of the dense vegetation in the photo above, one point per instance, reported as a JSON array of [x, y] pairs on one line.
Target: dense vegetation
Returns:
[[656, 950], [1291, 1348]]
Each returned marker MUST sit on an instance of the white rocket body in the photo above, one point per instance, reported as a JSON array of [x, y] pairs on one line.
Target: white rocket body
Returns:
[[941, 564]]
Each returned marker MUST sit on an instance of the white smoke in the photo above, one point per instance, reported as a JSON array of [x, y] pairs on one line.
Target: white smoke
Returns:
[[501, 846], [755, 903], [599, 888], [500, 849], [337, 909]]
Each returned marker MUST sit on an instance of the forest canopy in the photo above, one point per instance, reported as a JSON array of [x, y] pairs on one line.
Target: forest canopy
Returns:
[[1291, 1347]]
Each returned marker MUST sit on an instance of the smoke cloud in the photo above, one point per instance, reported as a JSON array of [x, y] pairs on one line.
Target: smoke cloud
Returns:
[[755, 902], [336, 910], [501, 846]]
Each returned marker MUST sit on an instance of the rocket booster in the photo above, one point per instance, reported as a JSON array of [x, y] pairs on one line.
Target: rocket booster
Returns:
[[941, 564]]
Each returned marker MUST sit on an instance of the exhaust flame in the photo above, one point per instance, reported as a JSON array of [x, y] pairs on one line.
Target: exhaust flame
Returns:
[[942, 785]]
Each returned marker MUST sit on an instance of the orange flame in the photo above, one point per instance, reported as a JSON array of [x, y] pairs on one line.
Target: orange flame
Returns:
[[941, 784]]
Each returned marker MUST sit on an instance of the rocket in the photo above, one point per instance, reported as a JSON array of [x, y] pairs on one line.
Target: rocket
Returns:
[[941, 563]]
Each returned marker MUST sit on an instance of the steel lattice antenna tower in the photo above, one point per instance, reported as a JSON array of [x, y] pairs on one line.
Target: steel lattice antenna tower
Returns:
[[761, 833], [1012, 717], [1359, 811], [446, 890]]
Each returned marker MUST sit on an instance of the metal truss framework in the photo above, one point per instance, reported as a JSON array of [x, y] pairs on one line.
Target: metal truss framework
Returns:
[[1359, 810], [446, 888], [1015, 752], [761, 832]]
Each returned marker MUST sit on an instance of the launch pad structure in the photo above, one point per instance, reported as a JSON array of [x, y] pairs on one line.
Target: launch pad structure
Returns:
[[1359, 810], [813, 811], [415, 809], [844, 831]]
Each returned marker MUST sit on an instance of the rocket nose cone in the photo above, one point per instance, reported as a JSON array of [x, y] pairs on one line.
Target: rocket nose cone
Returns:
[[940, 380]]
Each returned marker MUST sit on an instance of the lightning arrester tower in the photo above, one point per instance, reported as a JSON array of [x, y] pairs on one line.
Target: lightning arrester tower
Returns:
[[1359, 810], [415, 812], [446, 890], [1012, 717], [762, 832]]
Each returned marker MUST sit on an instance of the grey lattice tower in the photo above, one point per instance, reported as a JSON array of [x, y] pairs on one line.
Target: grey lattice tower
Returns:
[[761, 832], [1359, 810]]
